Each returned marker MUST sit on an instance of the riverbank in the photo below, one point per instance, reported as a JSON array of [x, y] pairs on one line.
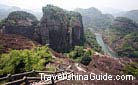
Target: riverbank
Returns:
[[107, 50]]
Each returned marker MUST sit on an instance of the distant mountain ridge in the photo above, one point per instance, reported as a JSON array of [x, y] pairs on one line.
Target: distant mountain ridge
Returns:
[[5, 10], [133, 14], [94, 19], [108, 10]]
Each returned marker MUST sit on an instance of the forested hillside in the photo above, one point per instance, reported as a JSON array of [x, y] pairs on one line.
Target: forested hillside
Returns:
[[123, 37], [90, 41]]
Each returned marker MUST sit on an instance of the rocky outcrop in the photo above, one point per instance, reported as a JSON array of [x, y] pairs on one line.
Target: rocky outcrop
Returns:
[[54, 28], [20, 23], [61, 29], [75, 28]]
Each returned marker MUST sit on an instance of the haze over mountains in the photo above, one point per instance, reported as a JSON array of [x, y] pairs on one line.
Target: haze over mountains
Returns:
[[92, 17], [5, 10], [95, 19], [133, 14]]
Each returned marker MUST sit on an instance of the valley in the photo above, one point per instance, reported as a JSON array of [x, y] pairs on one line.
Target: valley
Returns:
[[82, 41], [107, 50]]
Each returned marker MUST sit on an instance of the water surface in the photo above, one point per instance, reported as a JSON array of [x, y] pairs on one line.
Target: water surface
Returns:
[[104, 46]]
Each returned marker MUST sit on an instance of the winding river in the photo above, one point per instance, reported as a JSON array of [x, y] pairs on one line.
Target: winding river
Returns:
[[104, 46]]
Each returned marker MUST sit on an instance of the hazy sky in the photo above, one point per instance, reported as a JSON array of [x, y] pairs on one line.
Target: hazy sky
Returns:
[[71, 4]]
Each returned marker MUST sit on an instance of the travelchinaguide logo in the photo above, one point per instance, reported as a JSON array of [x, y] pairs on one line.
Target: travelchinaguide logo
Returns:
[[91, 76]]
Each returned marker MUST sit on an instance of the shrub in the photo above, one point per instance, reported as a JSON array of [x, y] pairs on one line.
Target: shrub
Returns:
[[134, 54], [88, 53], [86, 60], [131, 69], [77, 52], [79, 55], [17, 61]]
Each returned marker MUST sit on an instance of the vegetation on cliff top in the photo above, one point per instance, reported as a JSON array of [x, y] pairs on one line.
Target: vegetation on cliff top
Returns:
[[20, 17]]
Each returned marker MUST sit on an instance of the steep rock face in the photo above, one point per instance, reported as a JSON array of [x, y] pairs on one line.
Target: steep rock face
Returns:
[[75, 28], [61, 29], [54, 28], [20, 23]]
